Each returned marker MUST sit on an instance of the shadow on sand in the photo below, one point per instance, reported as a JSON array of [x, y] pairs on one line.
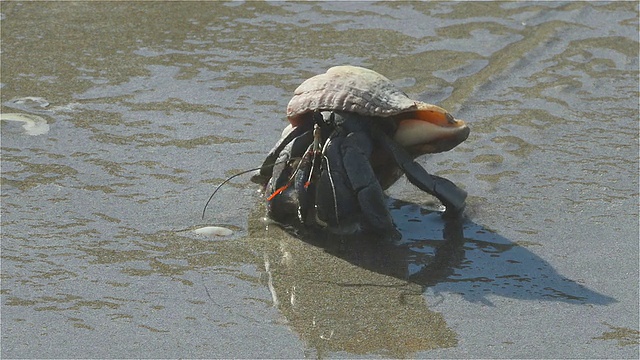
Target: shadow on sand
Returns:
[[458, 256]]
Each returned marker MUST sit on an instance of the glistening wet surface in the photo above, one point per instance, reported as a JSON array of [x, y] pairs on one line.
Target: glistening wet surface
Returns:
[[119, 119]]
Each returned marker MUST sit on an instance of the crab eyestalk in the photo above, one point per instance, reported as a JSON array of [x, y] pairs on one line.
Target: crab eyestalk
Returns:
[[429, 129]]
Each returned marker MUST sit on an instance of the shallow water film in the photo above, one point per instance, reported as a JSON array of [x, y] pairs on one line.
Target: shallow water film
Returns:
[[120, 118]]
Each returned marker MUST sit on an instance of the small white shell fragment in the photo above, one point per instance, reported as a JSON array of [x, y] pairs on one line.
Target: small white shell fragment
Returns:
[[213, 231], [33, 124], [31, 101]]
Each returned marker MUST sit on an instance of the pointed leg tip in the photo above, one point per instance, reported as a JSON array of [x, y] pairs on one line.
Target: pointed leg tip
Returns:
[[452, 212]]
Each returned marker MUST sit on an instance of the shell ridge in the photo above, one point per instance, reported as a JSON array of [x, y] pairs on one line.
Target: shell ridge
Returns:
[[350, 88]]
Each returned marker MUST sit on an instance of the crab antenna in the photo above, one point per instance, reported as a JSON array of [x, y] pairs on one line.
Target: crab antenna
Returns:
[[316, 151], [285, 186], [333, 190], [224, 182], [229, 179], [280, 189]]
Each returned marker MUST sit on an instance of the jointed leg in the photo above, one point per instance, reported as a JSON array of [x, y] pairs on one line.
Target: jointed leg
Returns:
[[451, 196], [348, 190]]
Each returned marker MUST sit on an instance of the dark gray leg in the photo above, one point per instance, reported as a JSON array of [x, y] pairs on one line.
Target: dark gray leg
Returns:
[[451, 196], [282, 199], [336, 203], [266, 170], [356, 151], [348, 190]]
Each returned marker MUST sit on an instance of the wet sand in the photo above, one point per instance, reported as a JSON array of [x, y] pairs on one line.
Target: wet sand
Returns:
[[149, 106]]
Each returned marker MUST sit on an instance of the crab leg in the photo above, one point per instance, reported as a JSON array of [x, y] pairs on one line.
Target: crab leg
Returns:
[[266, 169], [289, 151], [301, 164], [347, 175], [451, 196], [316, 152], [307, 173], [303, 175]]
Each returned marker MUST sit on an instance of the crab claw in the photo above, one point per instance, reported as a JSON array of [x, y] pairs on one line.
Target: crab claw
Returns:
[[429, 129]]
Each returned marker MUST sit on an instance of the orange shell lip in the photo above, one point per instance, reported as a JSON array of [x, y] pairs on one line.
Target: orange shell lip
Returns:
[[429, 128], [433, 114]]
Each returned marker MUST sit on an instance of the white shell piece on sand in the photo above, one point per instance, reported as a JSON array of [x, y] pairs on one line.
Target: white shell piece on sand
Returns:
[[33, 124], [213, 231]]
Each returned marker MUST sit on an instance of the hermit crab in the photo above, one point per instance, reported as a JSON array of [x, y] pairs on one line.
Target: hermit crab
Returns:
[[352, 134]]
